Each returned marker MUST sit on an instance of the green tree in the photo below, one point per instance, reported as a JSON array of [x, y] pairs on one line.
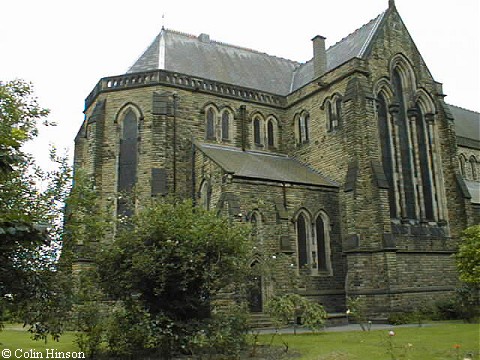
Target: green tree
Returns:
[[468, 256], [296, 309], [86, 225], [172, 260], [30, 214]]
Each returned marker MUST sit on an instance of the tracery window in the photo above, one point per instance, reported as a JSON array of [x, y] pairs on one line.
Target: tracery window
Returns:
[[333, 110], [407, 135], [313, 243], [303, 128]]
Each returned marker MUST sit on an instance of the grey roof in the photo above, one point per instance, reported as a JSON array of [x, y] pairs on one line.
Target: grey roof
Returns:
[[354, 45], [217, 61], [263, 166], [467, 122], [201, 57], [474, 190]]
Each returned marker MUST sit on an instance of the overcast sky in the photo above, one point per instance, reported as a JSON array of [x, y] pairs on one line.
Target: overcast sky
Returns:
[[65, 47]]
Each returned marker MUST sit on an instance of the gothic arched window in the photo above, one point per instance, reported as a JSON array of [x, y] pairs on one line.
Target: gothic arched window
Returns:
[[338, 111], [408, 144], [423, 163], [205, 195], [210, 124], [302, 240], [323, 243], [257, 131], [405, 148], [226, 125], [386, 145], [331, 119], [303, 128], [272, 130], [127, 158], [473, 167]]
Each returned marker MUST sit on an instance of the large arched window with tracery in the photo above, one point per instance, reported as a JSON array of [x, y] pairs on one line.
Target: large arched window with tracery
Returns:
[[302, 127], [313, 243], [406, 128]]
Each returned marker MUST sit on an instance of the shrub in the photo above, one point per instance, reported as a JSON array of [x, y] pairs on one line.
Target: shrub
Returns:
[[462, 306], [225, 333]]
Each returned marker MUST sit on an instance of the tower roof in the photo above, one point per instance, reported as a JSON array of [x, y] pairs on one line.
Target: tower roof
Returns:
[[202, 57]]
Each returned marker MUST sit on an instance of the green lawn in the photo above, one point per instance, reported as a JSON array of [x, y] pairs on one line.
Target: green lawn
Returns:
[[435, 342], [15, 337], [432, 342]]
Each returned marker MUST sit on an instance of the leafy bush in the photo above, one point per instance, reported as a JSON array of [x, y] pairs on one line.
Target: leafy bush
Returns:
[[225, 333], [129, 329], [463, 306], [290, 308]]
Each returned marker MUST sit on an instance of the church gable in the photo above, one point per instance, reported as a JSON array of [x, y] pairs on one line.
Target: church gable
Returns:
[[391, 38]]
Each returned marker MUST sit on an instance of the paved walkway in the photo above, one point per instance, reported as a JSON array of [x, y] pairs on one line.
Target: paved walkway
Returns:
[[349, 327]]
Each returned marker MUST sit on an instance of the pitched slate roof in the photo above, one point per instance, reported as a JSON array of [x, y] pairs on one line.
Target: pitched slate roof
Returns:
[[474, 191], [201, 57], [467, 126], [354, 45], [198, 56], [263, 166]]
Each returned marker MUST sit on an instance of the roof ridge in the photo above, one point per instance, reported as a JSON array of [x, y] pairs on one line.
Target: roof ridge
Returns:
[[357, 30], [144, 51], [232, 46], [460, 107]]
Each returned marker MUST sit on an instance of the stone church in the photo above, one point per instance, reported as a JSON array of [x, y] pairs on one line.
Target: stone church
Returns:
[[353, 171]]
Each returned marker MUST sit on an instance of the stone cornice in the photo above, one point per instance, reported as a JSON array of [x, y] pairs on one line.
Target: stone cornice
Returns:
[[182, 81]]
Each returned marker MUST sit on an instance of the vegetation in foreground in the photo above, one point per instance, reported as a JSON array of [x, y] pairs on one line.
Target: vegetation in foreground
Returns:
[[434, 341]]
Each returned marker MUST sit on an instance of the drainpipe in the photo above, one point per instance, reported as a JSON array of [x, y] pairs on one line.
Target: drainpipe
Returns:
[[175, 144], [243, 115], [194, 198]]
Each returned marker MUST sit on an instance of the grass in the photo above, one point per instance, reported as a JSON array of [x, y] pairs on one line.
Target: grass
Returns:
[[15, 337], [433, 342]]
